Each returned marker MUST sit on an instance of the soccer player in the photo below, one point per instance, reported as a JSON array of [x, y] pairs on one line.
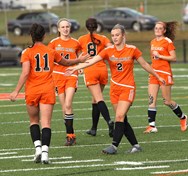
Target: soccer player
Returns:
[[66, 86], [162, 54], [37, 66], [121, 57], [96, 76]]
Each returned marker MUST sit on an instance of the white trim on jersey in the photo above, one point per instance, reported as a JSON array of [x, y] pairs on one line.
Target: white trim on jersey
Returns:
[[62, 73], [162, 72], [124, 85]]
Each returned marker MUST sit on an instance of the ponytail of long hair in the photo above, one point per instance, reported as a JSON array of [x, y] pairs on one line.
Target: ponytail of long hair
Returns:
[[37, 33], [91, 25]]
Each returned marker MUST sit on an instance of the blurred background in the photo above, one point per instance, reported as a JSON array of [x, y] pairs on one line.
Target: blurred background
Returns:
[[80, 10]]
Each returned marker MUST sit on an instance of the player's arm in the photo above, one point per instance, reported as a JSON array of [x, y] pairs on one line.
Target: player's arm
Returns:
[[171, 58], [23, 77], [68, 62], [89, 62], [149, 69]]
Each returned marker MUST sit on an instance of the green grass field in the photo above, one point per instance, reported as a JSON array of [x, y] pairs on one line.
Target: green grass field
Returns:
[[163, 152]]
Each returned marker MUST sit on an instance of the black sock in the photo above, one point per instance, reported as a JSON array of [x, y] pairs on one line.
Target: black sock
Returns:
[[35, 132], [129, 133], [95, 116], [118, 133], [177, 110], [104, 111], [151, 116], [69, 123], [46, 136]]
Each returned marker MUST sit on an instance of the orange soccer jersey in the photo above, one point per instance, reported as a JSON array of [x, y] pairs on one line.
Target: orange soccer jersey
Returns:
[[41, 66], [164, 47], [121, 65], [89, 47], [69, 49]]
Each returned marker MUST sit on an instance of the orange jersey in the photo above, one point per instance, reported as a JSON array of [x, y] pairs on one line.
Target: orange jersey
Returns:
[[163, 47], [121, 64], [41, 60], [87, 46], [69, 49]]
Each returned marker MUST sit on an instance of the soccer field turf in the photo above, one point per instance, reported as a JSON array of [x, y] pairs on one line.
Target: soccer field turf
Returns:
[[163, 153]]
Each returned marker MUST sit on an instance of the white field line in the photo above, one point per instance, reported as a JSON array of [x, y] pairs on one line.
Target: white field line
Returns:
[[89, 102], [95, 145], [16, 157], [168, 173], [86, 109], [8, 153], [141, 168], [62, 167], [54, 158], [78, 161], [101, 129]]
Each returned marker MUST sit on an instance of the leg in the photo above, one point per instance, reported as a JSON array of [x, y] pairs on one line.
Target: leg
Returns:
[[69, 116], [33, 112], [166, 93], [153, 90], [121, 109], [96, 91], [129, 134], [46, 115]]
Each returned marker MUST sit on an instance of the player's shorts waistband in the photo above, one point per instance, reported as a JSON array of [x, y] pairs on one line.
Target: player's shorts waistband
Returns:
[[123, 85]]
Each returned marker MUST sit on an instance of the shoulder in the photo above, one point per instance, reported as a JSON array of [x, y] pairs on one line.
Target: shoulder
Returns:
[[168, 40], [74, 40], [111, 47], [130, 46], [54, 40], [83, 37]]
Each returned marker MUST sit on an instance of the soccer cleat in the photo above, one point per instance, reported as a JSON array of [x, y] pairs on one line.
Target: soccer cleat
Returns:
[[37, 158], [91, 132], [150, 129], [110, 150], [44, 158], [136, 148], [70, 140], [111, 129], [183, 124]]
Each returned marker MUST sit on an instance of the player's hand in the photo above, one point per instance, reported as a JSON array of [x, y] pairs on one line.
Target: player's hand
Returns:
[[162, 81], [82, 58], [13, 96], [69, 71], [156, 55]]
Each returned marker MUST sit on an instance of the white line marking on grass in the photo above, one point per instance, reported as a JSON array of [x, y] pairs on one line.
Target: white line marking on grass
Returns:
[[9, 74], [8, 153], [54, 158], [16, 157], [150, 162], [171, 172], [141, 168], [101, 129], [63, 167], [6, 85], [94, 145], [165, 161], [87, 109], [78, 161]]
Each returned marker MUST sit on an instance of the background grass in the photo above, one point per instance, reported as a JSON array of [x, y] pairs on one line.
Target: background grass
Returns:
[[166, 148]]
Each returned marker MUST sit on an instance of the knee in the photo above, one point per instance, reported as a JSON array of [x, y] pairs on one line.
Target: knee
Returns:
[[169, 103], [120, 118], [68, 107]]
